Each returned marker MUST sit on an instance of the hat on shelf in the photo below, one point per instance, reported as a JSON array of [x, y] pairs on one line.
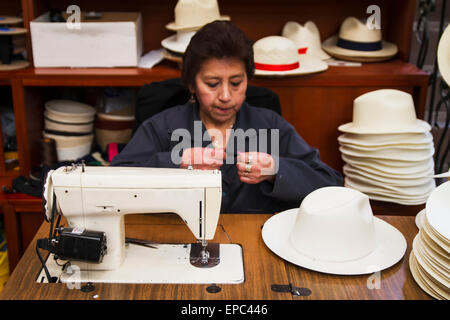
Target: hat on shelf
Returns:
[[13, 43], [306, 38], [70, 124], [334, 231], [443, 55], [278, 56], [178, 42], [194, 14], [357, 42], [384, 111], [429, 260], [8, 20]]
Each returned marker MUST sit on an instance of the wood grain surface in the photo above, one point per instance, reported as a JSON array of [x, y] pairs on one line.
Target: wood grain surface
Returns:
[[262, 268]]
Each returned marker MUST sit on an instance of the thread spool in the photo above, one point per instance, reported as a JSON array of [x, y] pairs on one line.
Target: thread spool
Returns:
[[48, 148]]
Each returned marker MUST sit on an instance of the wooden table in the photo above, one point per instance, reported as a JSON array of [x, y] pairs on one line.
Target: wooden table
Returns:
[[262, 268]]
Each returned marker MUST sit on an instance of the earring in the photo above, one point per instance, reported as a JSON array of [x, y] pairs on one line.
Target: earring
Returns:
[[192, 98]]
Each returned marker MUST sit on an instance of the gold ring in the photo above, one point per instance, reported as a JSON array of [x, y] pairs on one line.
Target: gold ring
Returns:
[[248, 168]]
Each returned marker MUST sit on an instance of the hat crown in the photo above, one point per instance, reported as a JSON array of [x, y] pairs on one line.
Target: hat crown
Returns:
[[353, 29], [196, 12], [334, 224], [384, 110], [303, 36], [275, 50]]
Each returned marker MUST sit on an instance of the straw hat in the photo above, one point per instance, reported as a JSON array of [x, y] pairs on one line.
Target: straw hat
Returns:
[[306, 38], [278, 56], [334, 231], [178, 42], [443, 55], [356, 42], [384, 111], [194, 14]]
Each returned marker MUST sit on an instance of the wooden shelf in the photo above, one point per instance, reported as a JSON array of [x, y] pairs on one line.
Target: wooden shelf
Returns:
[[390, 72]]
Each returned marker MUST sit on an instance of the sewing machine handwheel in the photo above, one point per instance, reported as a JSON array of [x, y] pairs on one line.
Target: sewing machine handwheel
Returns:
[[47, 196]]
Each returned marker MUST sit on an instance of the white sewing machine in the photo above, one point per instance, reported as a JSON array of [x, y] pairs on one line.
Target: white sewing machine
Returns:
[[97, 198]]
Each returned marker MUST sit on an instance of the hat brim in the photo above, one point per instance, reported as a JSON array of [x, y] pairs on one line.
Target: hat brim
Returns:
[[392, 180], [388, 51], [391, 247], [389, 154], [406, 193], [390, 166], [419, 127], [443, 55], [14, 65], [308, 65], [407, 174], [421, 278], [437, 210], [419, 218], [175, 27], [171, 43], [379, 140]]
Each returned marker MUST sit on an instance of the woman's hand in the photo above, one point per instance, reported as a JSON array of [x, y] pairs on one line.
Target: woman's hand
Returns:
[[255, 167], [203, 158]]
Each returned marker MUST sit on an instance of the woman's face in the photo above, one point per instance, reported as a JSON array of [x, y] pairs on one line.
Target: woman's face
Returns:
[[220, 87]]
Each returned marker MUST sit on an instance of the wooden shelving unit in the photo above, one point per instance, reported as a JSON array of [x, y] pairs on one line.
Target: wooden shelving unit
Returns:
[[315, 104]]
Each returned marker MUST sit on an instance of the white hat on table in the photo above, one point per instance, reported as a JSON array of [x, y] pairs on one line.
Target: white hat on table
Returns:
[[334, 231]]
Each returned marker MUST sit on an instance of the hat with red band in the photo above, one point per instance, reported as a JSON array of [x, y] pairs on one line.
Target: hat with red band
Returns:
[[279, 56]]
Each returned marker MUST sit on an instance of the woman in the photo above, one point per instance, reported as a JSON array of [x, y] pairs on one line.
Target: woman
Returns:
[[266, 166]]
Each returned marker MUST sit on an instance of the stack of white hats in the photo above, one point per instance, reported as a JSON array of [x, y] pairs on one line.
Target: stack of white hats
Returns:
[[190, 16], [334, 231], [388, 152], [429, 260], [70, 124]]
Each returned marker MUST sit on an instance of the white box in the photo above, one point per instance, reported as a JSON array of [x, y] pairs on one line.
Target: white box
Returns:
[[114, 40]]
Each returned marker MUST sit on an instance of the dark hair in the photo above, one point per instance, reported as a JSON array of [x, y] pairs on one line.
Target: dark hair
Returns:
[[218, 39]]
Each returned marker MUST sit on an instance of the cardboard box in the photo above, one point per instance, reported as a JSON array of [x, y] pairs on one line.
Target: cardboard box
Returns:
[[114, 40]]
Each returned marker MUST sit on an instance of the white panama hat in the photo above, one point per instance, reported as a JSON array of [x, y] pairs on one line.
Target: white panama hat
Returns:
[[443, 55], [194, 14], [69, 111], [278, 56], [178, 42], [384, 111], [406, 174], [334, 231], [306, 38], [357, 42]]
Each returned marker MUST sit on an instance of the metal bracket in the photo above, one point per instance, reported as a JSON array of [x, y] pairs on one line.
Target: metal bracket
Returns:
[[205, 257], [295, 291]]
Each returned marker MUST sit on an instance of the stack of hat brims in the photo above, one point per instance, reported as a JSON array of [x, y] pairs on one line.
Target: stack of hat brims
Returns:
[[12, 44], [429, 260], [388, 152], [70, 124], [190, 16]]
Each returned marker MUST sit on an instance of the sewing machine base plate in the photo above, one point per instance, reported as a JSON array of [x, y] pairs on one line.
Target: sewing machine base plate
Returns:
[[168, 263]]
